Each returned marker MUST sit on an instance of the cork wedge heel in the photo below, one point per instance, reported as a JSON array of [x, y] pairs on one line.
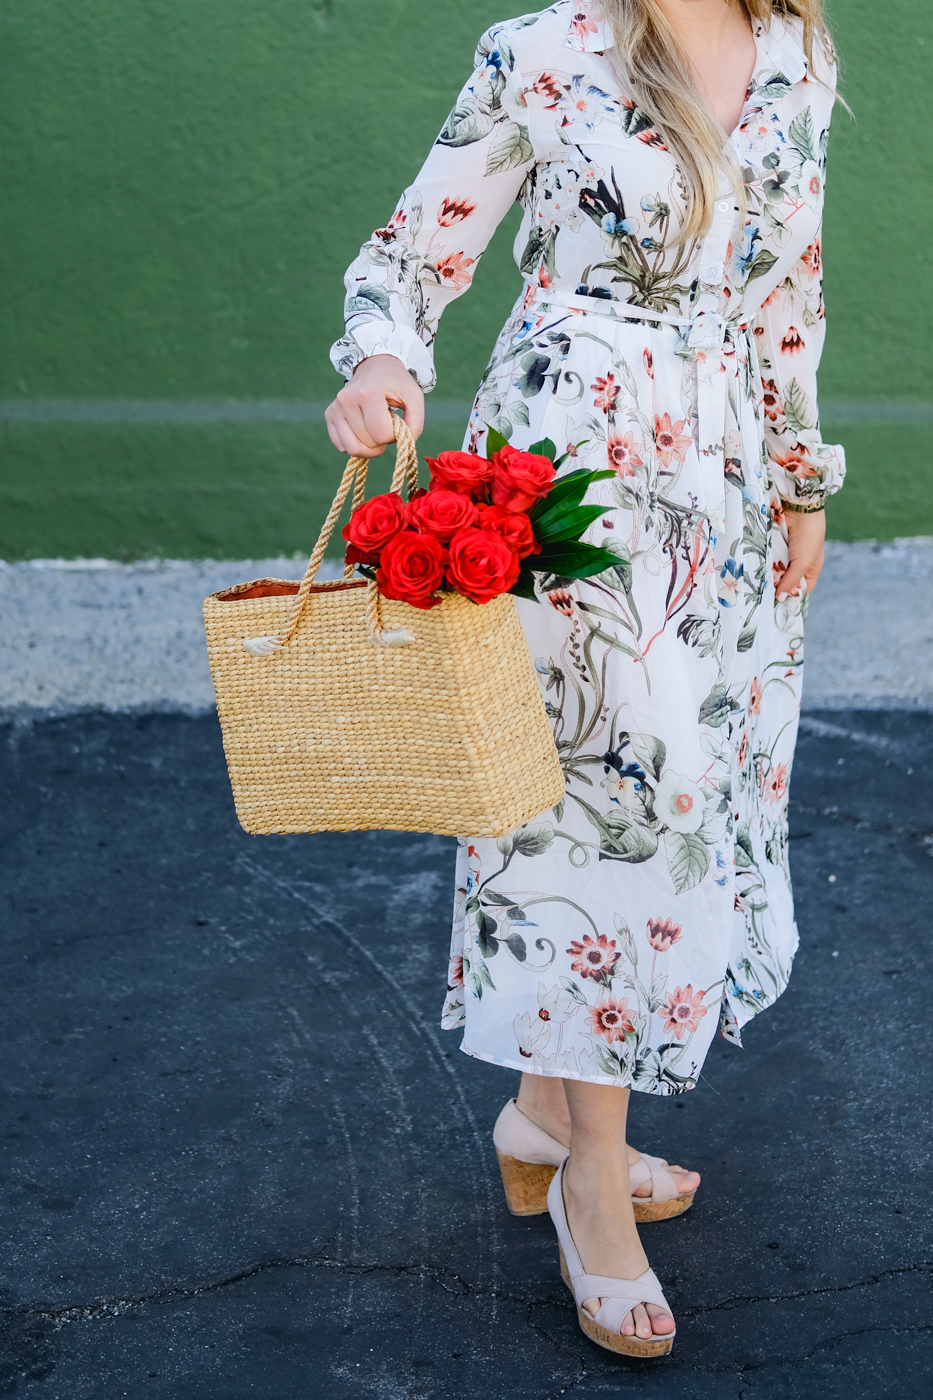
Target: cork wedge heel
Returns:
[[618, 1296], [529, 1157]]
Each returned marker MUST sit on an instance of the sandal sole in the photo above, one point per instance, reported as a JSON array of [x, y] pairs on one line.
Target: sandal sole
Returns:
[[614, 1341], [526, 1187]]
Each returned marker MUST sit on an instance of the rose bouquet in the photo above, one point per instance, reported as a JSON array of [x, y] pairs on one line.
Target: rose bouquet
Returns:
[[485, 526]]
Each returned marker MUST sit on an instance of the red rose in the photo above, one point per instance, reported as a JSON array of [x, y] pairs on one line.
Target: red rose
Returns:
[[481, 565], [514, 527], [463, 472], [411, 569], [370, 528], [441, 513], [520, 478]]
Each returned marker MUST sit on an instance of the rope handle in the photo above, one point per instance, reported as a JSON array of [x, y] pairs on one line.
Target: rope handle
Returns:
[[354, 474]]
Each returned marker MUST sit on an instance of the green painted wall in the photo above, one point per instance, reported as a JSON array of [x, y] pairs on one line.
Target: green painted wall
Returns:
[[185, 180]]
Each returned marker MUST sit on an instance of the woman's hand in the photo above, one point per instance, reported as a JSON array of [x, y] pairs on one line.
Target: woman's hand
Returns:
[[806, 535], [359, 421]]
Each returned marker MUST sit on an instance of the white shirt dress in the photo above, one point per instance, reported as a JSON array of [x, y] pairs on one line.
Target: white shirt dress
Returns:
[[610, 938]]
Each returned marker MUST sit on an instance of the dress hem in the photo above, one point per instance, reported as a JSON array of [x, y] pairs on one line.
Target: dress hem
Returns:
[[616, 1081]]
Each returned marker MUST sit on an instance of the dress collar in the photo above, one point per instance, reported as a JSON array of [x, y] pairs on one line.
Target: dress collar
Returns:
[[778, 46], [780, 51], [589, 32]]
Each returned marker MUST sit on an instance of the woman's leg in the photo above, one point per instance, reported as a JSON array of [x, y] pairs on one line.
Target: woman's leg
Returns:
[[597, 1197], [542, 1099]]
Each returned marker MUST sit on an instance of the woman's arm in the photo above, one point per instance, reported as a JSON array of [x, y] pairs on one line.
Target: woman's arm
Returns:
[[425, 257], [790, 330]]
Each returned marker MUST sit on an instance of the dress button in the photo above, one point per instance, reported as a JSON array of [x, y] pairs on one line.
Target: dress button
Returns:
[[723, 206], [713, 274]]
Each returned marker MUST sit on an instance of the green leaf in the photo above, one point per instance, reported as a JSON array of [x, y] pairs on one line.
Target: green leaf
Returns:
[[511, 147], [567, 524], [621, 838], [687, 859], [494, 897], [577, 561], [746, 638], [569, 489], [524, 585], [494, 440], [544, 448], [532, 840], [471, 906], [505, 845]]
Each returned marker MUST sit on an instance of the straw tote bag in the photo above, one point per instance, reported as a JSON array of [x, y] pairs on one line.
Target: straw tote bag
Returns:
[[342, 710]]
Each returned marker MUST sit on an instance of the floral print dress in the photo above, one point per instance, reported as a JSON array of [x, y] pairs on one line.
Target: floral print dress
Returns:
[[608, 939]]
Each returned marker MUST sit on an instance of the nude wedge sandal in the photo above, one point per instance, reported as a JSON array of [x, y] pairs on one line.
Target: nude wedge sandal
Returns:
[[529, 1157], [619, 1295]]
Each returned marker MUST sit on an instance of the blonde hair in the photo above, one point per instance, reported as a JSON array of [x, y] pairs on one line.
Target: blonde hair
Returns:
[[656, 69]]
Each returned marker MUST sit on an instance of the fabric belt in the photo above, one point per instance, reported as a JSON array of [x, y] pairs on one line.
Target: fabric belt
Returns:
[[704, 330]]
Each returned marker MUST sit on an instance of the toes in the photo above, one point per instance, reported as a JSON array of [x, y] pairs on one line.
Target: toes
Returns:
[[661, 1322], [628, 1323], [642, 1321]]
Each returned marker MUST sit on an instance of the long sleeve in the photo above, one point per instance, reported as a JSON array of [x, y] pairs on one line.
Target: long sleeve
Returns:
[[410, 270]]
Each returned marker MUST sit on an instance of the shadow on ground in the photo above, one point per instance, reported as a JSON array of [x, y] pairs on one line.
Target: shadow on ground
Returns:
[[241, 1160]]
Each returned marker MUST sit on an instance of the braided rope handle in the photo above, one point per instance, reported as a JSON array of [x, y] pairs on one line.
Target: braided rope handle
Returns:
[[354, 474]]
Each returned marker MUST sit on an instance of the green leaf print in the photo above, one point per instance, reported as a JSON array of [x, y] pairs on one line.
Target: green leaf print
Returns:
[[574, 990], [486, 935], [650, 752], [761, 263], [511, 147], [802, 135], [516, 946], [532, 840], [717, 707], [687, 859], [366, 297], [620, 837], [798, 410], [466, 124]]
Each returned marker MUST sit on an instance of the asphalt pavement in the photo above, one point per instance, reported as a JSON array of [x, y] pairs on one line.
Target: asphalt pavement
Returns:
[[241, 1160]]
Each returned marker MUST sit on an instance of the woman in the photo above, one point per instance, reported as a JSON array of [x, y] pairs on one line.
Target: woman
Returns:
[[668, 156]]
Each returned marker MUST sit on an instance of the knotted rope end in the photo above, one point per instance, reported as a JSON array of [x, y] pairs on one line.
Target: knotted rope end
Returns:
[[392, 637], [261, 646]]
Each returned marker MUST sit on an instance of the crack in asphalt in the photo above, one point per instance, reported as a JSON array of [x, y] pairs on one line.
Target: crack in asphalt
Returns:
[[448, 1280]]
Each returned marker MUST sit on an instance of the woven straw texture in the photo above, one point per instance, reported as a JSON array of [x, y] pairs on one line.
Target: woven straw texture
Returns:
[[367, 713]]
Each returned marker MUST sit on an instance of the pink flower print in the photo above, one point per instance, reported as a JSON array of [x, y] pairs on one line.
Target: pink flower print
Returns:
[[610, 1018], [546, 85], [754, 697], [796, 460], [773, 404], [683, 1010], [776, 782], [648, 361], [455, 975], [454, 209], [595, 957], [560, 599], [663, 934], [792, 341], [453, 271], [623, 452], [670, 439], [812, 259], [607, 392], [582, 25], [743, 749]]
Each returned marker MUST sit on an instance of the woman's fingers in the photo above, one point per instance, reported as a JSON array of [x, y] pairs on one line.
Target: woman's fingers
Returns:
[[805, 541], [359, 420]]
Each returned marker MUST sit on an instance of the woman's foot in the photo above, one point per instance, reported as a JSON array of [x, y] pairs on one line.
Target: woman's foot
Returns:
[[600, 1219], [542, 1099]]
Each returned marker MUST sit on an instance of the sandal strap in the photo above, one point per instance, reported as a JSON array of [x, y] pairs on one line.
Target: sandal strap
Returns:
[[620, 1295], [655, 1169]]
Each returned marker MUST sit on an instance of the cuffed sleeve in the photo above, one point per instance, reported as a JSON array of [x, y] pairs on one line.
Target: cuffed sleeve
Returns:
[[426, 256]]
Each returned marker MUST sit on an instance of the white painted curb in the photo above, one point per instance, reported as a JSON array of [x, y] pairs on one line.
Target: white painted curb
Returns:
[[97, 635]]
